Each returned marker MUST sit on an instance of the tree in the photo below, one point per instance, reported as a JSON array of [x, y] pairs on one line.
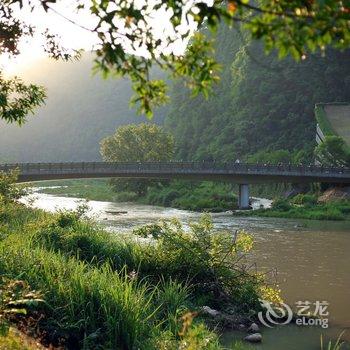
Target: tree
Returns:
[[260, 103], [333, 152], [272, 157], [130, 43], [137, 143], [9, 190], [18, 99]]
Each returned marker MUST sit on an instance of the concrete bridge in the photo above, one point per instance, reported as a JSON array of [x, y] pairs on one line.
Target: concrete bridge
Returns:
[[242, 174]]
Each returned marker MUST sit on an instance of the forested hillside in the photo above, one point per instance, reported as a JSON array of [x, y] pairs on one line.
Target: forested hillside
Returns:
[[80, 110], [262, 103]]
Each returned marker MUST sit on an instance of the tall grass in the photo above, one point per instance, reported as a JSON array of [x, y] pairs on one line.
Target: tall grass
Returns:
[[93, 303], [96, 297], [333, 346], [103, 291], [196, 258]]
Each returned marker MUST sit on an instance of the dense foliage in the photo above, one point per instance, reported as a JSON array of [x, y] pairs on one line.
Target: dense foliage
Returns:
[[130, 41], [193, 195], [333, 151], [261, 104], [137, 143], [306, 206], [103, 290]]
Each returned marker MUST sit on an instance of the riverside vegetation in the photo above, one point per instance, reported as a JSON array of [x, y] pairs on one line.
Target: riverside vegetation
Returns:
[[187, 195], [305, 206], [207, 196], [73, 284]]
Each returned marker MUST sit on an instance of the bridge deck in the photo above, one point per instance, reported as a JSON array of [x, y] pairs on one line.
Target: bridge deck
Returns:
[[233, 172]]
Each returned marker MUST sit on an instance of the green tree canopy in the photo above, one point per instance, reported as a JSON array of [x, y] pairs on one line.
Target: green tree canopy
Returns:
[[272, 157], [333, 152], [130, 43], [18, 99], [137, 143], [260, 103]]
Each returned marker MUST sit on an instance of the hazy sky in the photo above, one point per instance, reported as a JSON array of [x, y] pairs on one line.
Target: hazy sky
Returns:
[[72, 35]]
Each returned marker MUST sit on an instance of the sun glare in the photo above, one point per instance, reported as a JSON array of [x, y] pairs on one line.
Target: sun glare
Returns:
[[31, 49], [14, 65], [72, 36]]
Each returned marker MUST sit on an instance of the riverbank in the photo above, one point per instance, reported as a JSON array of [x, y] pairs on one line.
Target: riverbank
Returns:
[[304, 207], [82, 286], [202, 197], [319, 271]]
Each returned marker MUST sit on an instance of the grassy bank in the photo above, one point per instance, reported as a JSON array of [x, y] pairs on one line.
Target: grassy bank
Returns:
[[195, 196], [91, 189], [305, 207], [70, 283], [204, 196], [15, 340], [188, 195]]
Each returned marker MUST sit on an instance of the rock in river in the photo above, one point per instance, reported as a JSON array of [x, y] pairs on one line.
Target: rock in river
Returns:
[[209, 311], [254, 328], [254, 338]]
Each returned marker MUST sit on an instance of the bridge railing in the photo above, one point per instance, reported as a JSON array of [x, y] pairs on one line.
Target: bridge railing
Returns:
[[169, 167]]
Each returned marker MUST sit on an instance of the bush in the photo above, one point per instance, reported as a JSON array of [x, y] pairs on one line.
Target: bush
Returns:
[[210, 260], [192, 196], [304, 199], [9, 190], [196, 256], [281, 205]]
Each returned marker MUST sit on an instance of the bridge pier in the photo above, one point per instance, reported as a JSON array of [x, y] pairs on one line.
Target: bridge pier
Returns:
[[243, 198]]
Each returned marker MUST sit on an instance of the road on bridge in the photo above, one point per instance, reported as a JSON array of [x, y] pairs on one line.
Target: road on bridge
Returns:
[[242, 174]]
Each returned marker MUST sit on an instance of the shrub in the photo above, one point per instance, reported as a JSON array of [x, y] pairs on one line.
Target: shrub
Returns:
[[206, 259], [210, 260], [281, 205], [304, 199], [9, 190]]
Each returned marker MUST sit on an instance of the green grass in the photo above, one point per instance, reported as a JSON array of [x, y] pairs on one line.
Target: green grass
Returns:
[[203, 196], [14, 340], [309, 209], [103, 290], [91, 189], [323, 121]]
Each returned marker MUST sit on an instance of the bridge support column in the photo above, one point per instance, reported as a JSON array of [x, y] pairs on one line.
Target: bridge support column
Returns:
[[243, 198]]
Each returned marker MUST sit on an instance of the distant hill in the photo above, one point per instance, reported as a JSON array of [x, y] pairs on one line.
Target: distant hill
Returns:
[[261, 104], [80, 110]]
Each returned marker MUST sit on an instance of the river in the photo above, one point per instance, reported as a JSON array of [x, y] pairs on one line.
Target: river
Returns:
[[312, 259]]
